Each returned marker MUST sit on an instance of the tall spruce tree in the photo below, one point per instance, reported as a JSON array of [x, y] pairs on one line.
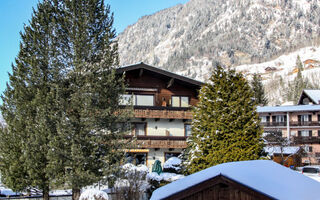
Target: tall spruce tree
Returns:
[[225, 126], [61, 104], [25, 108], [258, 90]]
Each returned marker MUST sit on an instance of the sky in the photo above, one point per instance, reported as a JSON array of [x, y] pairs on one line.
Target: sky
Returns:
[[14, 14]]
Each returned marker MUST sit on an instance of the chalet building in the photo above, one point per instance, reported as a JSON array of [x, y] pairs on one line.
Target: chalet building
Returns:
[[244, 180], [162, 104], [309, 97], [299, 123]]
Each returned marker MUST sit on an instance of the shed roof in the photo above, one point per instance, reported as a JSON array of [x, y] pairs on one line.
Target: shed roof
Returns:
[[160, 72], [298, 108], [263, 176]]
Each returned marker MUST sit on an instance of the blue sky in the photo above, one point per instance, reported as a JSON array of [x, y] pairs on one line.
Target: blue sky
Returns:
[[15, 13]]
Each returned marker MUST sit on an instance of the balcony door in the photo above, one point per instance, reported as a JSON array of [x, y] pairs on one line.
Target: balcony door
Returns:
[[140, 129]]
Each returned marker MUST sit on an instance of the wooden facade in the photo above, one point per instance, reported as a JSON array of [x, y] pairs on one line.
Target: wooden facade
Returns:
[[166, 142], [219, 188], [161, 113], [162, 103]]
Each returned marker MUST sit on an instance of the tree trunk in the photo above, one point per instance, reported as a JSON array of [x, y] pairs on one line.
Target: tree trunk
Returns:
[[45, 194], [75, 194]]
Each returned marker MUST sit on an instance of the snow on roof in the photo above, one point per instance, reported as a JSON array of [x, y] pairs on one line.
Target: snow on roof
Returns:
[[8, 192], [277, 149], [264, 176], [314, 95], [267, 109]]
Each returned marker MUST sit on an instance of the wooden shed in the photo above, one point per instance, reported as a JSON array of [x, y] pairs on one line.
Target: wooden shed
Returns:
[[245, 180]]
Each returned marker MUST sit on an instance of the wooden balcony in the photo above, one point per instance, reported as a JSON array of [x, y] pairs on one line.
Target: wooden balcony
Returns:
[[161, 142], [162, 112], [306, 140]]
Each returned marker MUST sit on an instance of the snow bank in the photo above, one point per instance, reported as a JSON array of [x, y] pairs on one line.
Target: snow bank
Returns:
[[60, 192], [169, 177], [93, 194]]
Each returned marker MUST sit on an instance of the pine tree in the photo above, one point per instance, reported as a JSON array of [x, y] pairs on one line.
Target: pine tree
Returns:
[[88, 144], [25, 111], [61, 104], [225, 124], [258, 90], [299, 64]]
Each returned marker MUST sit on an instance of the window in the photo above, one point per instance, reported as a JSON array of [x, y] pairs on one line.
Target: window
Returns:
[[144, 100], [140, 128], [280, 118], [304, 118], [305, 133], [137, 100], [168, 155], [136, 158], [263, 119], [180, 101], [187, 130], [126, 99]]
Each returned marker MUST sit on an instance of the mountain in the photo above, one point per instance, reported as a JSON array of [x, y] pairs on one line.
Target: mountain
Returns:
[[189, 39]]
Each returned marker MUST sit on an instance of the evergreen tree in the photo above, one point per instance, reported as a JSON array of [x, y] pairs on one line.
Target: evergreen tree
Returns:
[[299, 64], [298, 85], [258, 90], [225, 124], [61, 104], [24, 108]]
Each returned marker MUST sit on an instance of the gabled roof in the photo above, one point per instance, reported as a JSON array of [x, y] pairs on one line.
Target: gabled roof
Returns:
[[314, 96], [159, 72], [263, 176], [298, 108]]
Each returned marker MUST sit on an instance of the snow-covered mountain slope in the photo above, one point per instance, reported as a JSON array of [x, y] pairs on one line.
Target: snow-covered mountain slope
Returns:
[[285, 65], [278, 74], [191, 38]]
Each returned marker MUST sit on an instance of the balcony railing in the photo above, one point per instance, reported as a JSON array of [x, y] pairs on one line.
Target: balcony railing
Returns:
[[311, 123], [306, 139], [162, 112], [266, 124], [161, 141]]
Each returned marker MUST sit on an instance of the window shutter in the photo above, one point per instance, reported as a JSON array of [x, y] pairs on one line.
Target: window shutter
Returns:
[[310, 133], [310, 118], [299, 133]]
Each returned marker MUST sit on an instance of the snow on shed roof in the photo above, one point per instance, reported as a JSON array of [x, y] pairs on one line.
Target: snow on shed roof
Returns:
[[298, 108], [313, 94], [277, 149], [264, 176]]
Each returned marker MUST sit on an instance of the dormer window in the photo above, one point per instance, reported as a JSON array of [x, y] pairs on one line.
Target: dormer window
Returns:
[[180, 101]]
